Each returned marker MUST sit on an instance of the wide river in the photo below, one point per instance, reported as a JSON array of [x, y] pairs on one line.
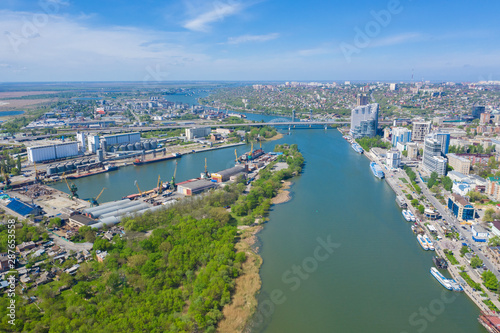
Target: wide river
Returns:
[[338, 257]]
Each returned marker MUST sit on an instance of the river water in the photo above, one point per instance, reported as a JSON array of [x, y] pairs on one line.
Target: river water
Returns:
[[338, 257]]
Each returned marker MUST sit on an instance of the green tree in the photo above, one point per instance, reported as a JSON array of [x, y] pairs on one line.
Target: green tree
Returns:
[[475, 262], [490, 280], [494, 241], [464, 250]]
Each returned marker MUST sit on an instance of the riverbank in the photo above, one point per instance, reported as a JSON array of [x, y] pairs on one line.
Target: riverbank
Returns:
[[283, 194], [244, 301], [454, 270]]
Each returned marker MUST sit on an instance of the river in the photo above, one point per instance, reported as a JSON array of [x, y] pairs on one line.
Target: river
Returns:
[[338, 257]]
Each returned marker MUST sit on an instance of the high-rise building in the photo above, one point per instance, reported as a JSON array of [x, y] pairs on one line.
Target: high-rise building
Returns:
[[393, 86], [393, 160], [364, 121], [432, 159], [80, 138], [477, 110], [443, 138], [361, 100], [400, 134], [420, 130], [412, 150], [484, 118]]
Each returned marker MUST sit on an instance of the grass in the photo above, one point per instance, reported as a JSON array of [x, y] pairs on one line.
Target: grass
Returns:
[[403, 180], [451, 257], [490, 304], [471, 282]]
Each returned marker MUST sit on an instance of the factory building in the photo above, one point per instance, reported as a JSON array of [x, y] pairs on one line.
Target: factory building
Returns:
[[93, 143], [192, 187], [225, 175], [197, 132], [52, 152], [122, 139]]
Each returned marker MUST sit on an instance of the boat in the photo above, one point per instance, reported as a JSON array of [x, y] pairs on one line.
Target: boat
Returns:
[[406, 215], [412, 217], [440, 263], [422, 242], [455, 285], [111, 167], [357, 148], [430, 245], [158, 159], [82, 175], [444, 281], [377, 170]]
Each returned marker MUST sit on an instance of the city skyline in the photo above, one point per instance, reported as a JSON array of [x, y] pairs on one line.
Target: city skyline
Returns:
[[54, 40]]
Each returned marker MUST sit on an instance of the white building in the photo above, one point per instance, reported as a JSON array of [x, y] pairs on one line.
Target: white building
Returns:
[[364, 121], [393, 159], [479, 234], [420, 130], [197, 132], [80, 138], [461, 188], [93, 143], [432, 159], [52, 152]]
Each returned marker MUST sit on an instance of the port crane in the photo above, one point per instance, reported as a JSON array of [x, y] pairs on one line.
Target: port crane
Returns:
[[37, 178], [93, 201], [137, 184], [159, 186], [236, 156], [172, 182], [73, 189], [206, 174]]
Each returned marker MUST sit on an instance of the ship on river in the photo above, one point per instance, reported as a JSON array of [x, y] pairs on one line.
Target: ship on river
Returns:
[[377, 170]]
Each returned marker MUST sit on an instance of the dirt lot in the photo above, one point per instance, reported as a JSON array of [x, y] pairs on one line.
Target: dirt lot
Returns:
[[15, 94]]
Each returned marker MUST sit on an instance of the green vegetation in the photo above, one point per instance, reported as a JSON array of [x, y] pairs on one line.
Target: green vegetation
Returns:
[[451, 258], [490, 280], [470, 282], [369, 143], [490, 305], [403, 180], [464, 250], [477, 196], [24, 233], [475, 262], [494, 241], [178, 279]]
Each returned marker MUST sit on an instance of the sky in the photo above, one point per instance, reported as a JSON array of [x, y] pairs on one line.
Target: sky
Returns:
[[254, 40]]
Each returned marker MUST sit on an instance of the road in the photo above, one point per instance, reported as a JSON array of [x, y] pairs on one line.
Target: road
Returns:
[[465, 234]]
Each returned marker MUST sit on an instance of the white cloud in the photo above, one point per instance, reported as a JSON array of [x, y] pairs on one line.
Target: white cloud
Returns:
[[217, 13], [398, 39], [252, 38]]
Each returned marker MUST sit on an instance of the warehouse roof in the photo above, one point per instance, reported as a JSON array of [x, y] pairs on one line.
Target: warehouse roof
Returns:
[[232, 171], [82, 219], [198, 185]]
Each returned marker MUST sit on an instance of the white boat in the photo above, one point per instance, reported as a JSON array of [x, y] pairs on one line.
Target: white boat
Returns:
[[406, 215], [430, 245], [444, 281], [455, 285], [412, 217], [422, 242]]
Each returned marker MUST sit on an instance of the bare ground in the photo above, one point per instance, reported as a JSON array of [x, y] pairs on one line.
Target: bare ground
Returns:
[[283, 194]]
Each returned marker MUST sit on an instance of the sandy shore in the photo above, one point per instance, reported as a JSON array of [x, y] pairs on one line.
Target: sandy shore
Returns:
[[276, 137], [283, 194], [243, 303]]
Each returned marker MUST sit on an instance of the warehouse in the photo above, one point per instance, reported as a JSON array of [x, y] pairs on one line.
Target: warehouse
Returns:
[[52, 152], [121, 139], [79, 220], [225, 175], [195, 186]]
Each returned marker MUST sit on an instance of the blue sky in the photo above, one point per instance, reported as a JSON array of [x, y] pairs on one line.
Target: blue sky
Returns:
[[150, 40]]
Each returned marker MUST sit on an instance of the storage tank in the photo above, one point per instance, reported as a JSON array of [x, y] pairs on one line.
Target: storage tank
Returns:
[[79, 162], [70, 166], [61, 168], [130, 147], [147, 145], [122, 147], [154, 144], [91, 161], [138, 146], [51, 170]]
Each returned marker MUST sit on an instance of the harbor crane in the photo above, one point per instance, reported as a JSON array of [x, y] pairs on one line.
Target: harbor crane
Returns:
[[159, 186], [93, 201], [137, 184], [172, 182], [73, 189], [236, 156], [206, 174], [37, 178]]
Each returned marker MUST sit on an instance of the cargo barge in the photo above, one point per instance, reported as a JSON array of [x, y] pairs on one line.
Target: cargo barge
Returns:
[[158, 159], [92, 173]]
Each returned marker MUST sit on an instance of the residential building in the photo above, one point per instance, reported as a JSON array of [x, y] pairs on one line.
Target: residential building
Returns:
[[432, 159], [364, 121], [420, 130], [362, 100], [393, 159], [495, 228], [393, 86], [461, 208], [197, 132], [443, 138], [459, 163], [400, 134], [493, 188], [484, 118], [477, 158], [412, 150]]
